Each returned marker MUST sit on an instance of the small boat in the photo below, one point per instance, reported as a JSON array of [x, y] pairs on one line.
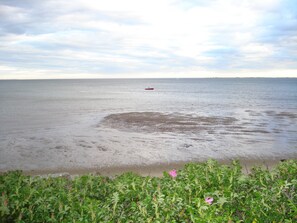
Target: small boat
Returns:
[[149, 89]]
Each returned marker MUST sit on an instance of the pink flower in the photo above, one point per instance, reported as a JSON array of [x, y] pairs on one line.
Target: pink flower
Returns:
[[209, 200], [173, 173]]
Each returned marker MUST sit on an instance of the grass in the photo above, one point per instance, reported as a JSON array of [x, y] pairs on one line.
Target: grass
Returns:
[[262, 196]]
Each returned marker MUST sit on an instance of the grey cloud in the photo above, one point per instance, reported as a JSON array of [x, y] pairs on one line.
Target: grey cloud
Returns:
[[44, 53], [43, 17], [71, 33]]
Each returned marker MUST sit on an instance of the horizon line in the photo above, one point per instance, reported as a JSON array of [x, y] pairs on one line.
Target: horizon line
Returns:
[[120, 78]]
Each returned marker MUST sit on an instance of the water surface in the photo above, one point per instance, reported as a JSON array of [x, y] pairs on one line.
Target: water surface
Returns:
[[51, 124]]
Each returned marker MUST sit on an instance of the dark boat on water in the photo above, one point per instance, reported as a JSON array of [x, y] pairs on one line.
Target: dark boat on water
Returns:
[[149, 89]]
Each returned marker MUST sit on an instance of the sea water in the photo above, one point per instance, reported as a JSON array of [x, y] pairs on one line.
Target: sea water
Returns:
[[48, 124]]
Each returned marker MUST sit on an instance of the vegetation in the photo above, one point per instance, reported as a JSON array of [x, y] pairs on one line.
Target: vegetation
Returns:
[[206, 192]]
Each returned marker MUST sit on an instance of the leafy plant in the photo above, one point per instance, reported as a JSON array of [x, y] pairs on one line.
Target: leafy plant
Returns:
[[201, 192]]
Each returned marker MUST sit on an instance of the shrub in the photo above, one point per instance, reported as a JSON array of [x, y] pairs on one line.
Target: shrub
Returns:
[[201, 192]]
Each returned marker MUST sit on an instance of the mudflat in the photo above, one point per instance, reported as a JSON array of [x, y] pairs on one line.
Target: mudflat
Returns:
[[110, 125]]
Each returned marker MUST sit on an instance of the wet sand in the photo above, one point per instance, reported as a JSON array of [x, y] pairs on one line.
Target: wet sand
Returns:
[[153, 122], [155, 170], [149, 143]]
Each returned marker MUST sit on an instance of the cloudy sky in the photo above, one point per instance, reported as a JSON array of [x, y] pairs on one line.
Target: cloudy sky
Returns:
[[147, 38]]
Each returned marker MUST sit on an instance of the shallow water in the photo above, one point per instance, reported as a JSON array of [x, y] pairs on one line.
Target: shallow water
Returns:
[[52, 124]]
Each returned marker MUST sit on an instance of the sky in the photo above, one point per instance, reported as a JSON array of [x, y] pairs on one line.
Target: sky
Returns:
[[147, 38]]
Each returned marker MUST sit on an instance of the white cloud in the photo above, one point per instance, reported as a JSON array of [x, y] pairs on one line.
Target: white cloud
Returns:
[[257, 51], [140, 36], [13, 14]]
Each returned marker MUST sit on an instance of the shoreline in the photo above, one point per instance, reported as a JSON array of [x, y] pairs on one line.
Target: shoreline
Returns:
[[153, 170]]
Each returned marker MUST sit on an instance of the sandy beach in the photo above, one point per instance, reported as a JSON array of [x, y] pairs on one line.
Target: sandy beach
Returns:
[[155, 170], [110, 128], [141, 136]]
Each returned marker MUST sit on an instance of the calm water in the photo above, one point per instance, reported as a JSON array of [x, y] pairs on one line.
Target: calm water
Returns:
[[51, 124]]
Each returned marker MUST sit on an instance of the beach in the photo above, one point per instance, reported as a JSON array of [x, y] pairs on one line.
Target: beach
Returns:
[[114, 126], [154, 170]]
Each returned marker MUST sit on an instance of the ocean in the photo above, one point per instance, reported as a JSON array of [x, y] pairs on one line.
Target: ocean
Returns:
[[55, 124]]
